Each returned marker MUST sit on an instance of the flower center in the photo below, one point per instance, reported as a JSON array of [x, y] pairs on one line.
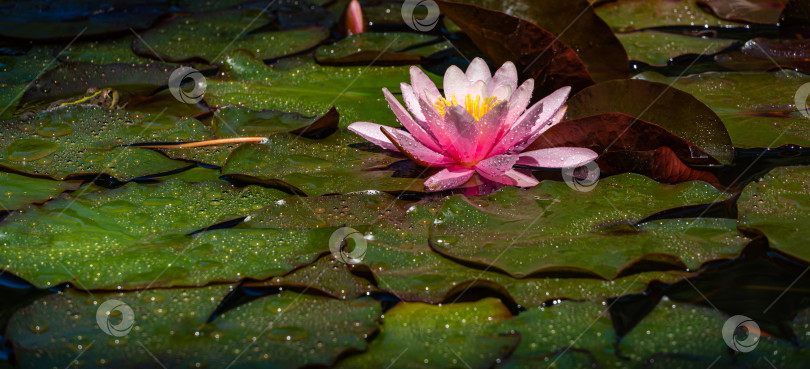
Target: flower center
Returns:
[[476, 107]]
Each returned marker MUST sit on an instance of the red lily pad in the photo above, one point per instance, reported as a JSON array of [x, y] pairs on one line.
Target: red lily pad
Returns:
[[749, 11], [670, 108], [537, 53], [576, 24]]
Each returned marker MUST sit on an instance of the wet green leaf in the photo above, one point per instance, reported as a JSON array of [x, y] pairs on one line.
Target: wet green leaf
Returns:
[[630, 15], [79, 140], [255, 28], [103, 52], [17, 190], [758, 109], [658, 47], [318, 167], [417, 335], [537, 230], [170, 328], [300, 85], [779, 206], [133, 236], [394, 48]]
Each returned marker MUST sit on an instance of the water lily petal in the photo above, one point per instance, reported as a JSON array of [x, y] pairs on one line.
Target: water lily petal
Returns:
[[532, 120], [506, 75], [371, 132], [496, 165], [412, 102], [513, 177], [447, 178], [415, 150], [407, 121], [437, 127], [490, 125], [502, 93], [456, 84], [478, 71], [463, 132], [422, 85], [558, 116], [557, 157], [519, 101]]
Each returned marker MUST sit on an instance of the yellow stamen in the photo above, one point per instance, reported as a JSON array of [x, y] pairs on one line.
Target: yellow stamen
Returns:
[[477, 108]]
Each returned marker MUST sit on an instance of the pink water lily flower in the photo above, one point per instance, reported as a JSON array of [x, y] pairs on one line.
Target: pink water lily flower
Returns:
[[480, 125]]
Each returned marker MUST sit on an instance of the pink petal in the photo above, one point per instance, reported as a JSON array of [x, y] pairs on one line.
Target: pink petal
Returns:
[[412, 102], [455, 84], [478, 71], [416, 130], [371, 132], [437, 126], [519, 101], [415, 150], [506, 75], [496, 165], [422, 85], [558, 116], [557, 157], [490, 125], [531, 121], [462, 131], [447, 178], [513, 177]]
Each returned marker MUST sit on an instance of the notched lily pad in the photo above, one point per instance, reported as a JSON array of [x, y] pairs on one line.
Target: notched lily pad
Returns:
[[758, 109], [536, 232], [779, 206], [133, 236], [536, 52], [17, 191], [657, 103], [286, 330], [317, 167], [658, 48], [749, 11], [266, 30], [631, 15], [394, 48], [82, 140], [452, 335]]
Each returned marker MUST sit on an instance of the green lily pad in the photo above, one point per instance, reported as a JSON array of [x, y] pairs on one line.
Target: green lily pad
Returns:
[[758, 109], [394, 48], [9, 98], [327, 275], [66, 80], [779, 206], [318, 167], [211, 36], [631, 15], [233, 121], [103, 52], [749, 11], [21, 69], [170, 328], [659, 47], [300, 85], [132, 236], [81, 140], [65, 20], [417, 335], [537, 231], [17, 190]]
